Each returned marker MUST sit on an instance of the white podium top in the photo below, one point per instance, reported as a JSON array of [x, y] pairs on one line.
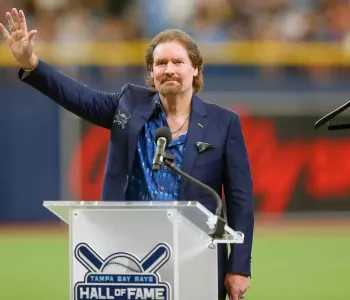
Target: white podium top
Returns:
[[193, 211]]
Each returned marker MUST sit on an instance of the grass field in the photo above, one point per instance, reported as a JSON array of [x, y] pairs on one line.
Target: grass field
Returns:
[[299, 260]]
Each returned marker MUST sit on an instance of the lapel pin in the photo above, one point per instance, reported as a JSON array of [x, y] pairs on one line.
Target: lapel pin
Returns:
[[121, 119], [200, 125]]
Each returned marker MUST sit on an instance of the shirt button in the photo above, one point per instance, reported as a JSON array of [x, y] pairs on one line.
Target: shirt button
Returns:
[[165, 167], [162, 188]]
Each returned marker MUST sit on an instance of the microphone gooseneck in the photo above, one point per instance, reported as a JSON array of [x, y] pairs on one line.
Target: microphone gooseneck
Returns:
[[162, 138]]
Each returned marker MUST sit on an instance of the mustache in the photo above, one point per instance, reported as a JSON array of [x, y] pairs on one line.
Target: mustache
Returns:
[[167, 78]]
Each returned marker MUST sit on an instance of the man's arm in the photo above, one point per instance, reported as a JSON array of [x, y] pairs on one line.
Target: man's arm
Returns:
[[238, 188], [94, 106]]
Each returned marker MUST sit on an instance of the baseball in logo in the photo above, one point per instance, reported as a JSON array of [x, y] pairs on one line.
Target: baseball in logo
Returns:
[[122, 276]]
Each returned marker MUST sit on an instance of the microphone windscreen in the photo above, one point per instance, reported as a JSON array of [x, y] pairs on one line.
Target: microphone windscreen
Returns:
[[163, 132]]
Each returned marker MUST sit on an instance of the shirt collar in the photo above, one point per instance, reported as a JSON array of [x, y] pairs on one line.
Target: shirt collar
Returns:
[[158, 109]]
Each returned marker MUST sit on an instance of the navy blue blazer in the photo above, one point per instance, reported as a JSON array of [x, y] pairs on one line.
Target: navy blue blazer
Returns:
[[226, 165]]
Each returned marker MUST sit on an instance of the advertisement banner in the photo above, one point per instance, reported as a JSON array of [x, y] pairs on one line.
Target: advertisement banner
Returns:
[[294, 167]]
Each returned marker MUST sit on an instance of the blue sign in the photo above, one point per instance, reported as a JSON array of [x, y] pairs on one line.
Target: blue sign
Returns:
[[122, 276]]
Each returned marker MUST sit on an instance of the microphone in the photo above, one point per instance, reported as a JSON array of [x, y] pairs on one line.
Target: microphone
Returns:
[[327, 118], [162, 138]]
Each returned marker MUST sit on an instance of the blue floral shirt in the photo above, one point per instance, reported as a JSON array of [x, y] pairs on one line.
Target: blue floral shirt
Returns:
[[144, 184]]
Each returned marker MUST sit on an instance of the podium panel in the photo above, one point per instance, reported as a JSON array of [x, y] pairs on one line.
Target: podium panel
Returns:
[[137, 250]]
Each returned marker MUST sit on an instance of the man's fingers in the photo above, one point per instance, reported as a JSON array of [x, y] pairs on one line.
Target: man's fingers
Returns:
[[237, 295], [234, 297], [15, 17], [4, 32], [12, 25], [32, 34], [23, 22]]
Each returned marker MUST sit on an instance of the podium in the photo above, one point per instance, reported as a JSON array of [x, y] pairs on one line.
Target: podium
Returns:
[[142, 250]]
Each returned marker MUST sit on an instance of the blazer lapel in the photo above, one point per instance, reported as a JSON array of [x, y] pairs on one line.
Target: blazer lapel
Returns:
[[197, 127], [139, 118]]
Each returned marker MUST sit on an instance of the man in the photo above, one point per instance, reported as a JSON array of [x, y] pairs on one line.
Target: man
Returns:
[[175, 68]]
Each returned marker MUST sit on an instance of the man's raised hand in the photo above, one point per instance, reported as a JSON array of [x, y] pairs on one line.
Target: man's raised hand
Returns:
[[21, 42]]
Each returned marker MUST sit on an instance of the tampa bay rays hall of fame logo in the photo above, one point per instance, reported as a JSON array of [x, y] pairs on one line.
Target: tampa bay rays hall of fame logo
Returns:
[[122, 276]]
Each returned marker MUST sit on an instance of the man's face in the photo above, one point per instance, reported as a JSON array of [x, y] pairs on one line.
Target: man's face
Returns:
[[172, 69]]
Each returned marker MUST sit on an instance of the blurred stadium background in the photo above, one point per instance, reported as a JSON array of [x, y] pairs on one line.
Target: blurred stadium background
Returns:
[[282, 64]]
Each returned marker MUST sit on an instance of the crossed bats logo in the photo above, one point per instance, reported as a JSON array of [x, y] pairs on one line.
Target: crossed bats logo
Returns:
[[122, 275], [122, 262]]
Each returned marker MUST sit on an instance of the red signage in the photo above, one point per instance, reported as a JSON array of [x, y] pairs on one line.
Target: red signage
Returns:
[[290, 165]]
